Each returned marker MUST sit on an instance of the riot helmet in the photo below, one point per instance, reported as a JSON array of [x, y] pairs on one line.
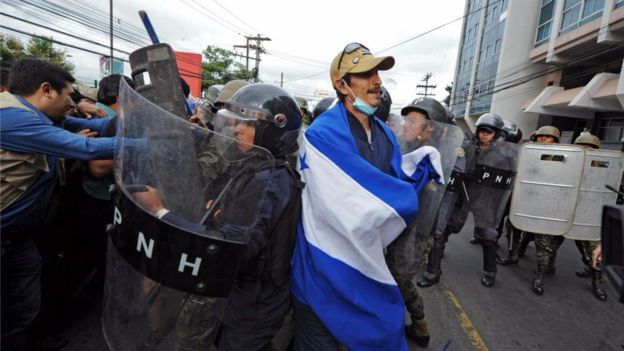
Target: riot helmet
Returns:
[[323, 105], [490, 121], [205, 111], [213, 92], [273, 113], [303, 103], [511, 132], [450, 116], [229, 89], [383, 110], [587, 139], [546, 131], [431, 108]]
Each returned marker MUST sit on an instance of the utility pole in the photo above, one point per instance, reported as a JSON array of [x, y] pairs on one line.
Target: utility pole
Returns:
[[258, 48], [426, 86]]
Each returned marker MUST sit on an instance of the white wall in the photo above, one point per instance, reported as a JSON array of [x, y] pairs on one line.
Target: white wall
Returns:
[[518, 39]]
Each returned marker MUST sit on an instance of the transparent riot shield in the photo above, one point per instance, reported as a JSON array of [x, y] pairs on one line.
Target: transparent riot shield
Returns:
[[546, 189], [415, 134], [455, 194], [186, 201], [491, 173], [601, 168]]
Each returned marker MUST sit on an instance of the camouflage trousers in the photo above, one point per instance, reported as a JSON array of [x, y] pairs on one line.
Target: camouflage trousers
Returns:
[[406, 257], [586, 248], [197, 324], [546, 247]]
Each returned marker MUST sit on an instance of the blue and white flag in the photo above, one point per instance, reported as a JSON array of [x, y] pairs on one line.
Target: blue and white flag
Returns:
[[350, 212]]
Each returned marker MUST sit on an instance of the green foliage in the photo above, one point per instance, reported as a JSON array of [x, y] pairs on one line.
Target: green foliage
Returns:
[[449, 90], [220, 67], [12, 49]]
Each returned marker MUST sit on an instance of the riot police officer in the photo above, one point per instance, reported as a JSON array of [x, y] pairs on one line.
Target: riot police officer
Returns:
[[406, 255], [268, 117], [512, 134], [586, 247], [489, 166], [546, 246], [322, 106], [492, 159]]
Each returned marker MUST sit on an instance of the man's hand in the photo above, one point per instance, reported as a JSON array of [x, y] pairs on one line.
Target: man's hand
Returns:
[[88, 133], [597, 257], [196, 120], [90, 110], [150, 199]]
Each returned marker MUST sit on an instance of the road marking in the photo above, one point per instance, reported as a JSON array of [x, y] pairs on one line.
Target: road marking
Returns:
[[469, 329]]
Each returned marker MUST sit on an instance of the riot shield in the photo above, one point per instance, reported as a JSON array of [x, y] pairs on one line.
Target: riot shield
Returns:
[[545, 193], [491, 173], [153, 69], [601, 168], [186, 201], [446, 139]]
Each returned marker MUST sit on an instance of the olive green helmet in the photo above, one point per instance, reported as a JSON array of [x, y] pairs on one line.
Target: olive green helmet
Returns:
[[588, 139], [229, 89], [303, 103], [546, 130]]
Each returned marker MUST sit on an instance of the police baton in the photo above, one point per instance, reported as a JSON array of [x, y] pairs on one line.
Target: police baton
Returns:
[[216, 202], [614, 190]]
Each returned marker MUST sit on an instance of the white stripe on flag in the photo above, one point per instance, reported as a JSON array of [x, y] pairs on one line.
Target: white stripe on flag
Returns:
[[345, 220]]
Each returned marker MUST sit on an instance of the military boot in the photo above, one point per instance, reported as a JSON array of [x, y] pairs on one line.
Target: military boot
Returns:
[[418, 332], [427, 280], [538, 284], [584, 273], [599, 293], [489, 263], [434, 266], [525, 239], [512, 258]]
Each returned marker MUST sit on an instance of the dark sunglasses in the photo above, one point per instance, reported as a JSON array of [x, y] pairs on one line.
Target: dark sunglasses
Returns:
[[351, 47]]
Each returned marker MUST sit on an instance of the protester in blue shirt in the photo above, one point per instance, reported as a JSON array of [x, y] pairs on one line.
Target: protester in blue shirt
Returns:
[[358, 198], [34, 133]]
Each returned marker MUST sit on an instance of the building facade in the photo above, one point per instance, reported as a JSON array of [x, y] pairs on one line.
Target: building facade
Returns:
[[543, 62]]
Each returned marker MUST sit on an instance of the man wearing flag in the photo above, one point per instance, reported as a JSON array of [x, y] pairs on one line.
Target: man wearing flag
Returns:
[[360, 194]]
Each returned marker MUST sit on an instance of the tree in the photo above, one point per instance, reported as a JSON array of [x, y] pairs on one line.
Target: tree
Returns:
[[220, 67], [449, 90], [12, 49]]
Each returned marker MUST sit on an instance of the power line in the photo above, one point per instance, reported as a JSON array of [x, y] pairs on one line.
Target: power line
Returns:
[[214, 17], [58, 42], [235, 16]]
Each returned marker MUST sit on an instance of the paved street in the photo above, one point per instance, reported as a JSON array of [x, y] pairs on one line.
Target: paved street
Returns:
[[463, 315]]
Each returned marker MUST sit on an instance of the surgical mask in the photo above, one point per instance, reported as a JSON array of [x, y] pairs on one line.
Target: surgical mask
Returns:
[[359, 104]]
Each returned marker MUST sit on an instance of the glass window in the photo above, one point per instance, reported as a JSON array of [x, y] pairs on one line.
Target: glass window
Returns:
[[571, 12], [619, 3], [592, 9], [543, 33], [611, 129], [544, 23]]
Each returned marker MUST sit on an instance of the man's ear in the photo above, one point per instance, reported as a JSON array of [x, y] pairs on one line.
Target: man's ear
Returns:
[[45, 88], [341, 86]]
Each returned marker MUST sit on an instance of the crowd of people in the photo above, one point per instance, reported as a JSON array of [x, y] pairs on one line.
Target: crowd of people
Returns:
[[345, 204]]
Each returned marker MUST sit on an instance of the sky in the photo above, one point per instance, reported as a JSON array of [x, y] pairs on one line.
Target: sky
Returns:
[[305, 36]]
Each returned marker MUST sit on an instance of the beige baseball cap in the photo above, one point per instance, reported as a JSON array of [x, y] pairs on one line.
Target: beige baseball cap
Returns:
[[357, 58]]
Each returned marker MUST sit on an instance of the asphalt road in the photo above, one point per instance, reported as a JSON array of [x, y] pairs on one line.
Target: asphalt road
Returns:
[[463, 315]]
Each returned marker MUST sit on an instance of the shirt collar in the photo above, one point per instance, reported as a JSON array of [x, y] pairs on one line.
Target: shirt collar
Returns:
[[43, 116]]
